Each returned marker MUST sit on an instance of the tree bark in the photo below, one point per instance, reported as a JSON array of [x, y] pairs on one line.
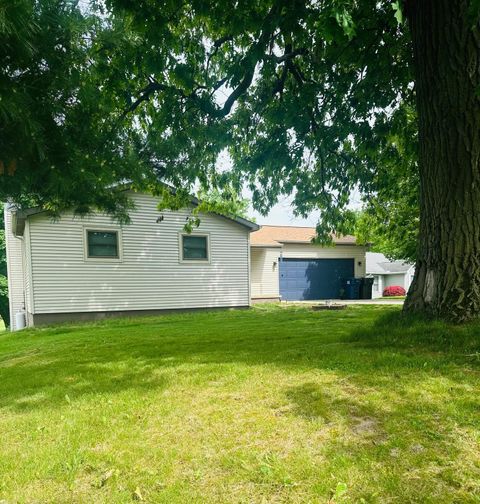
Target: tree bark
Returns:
[[446, 44]]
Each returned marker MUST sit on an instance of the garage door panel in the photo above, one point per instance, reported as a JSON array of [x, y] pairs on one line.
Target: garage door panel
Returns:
[[302, 279]]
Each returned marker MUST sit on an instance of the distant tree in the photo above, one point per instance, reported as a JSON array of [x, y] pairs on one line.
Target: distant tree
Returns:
[[3, 256], [390, 229], [4, 309], [390, 219]]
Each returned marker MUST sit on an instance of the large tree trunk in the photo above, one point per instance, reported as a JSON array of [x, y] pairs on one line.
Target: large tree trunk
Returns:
[[447, 67]]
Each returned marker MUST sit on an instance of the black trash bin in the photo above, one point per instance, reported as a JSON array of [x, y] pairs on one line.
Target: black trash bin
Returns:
[[366, 288], [351, 287]]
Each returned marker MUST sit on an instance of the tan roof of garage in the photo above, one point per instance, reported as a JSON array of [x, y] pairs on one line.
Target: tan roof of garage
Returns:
[[276, 235]]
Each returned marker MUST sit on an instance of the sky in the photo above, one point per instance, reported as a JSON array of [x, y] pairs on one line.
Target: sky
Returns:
[[282, 213]]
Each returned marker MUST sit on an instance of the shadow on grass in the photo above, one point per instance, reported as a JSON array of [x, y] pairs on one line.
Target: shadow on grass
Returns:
[[397, 330], [312, 401], [369, 346]]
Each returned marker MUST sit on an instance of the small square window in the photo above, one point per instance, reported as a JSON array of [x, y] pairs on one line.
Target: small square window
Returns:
[[102, 245], [194, 248]]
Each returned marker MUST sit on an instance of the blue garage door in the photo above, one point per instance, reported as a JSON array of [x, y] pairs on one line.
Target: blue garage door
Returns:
[[302, 279]]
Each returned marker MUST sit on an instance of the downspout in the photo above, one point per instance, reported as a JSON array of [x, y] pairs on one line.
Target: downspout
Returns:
[[12, 230]]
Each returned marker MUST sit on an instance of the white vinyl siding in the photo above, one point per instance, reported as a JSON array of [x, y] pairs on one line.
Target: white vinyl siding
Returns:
[[377, 289], [409, 277], [27, 270], [150, 275], [15, 269], [264, 272], [395, 280]]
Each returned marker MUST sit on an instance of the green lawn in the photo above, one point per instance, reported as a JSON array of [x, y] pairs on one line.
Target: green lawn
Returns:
[[269, 405]]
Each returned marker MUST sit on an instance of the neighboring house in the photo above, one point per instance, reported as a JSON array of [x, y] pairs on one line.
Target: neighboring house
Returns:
[[88, 268], [286, 265], [388, 273]]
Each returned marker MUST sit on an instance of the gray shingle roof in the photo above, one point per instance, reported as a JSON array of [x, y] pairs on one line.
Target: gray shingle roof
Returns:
[[378, 264]]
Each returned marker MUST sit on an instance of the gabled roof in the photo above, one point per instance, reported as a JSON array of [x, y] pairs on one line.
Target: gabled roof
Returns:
[[20, 216], [378, 264], [275, 236]]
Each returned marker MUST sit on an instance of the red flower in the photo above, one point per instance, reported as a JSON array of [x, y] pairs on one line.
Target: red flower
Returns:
[[394, 290]]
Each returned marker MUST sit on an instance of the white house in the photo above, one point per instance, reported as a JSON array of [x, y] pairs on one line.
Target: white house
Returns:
[[86, 268], [286, 265], [387, 273]]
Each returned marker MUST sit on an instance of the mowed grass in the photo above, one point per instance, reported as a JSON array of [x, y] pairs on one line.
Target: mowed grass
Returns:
[[270, 405]]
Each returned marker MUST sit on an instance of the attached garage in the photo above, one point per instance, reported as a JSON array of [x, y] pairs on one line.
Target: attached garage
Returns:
[[304, 279], [286, 265]]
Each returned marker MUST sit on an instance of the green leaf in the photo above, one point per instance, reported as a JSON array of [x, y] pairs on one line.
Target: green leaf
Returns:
[[397, 7], [344, 19]]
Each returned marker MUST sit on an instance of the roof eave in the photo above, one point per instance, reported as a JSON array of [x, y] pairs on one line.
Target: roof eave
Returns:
[[388, 272], [244, 222], [19, 218], [266, 245], [309, 242]]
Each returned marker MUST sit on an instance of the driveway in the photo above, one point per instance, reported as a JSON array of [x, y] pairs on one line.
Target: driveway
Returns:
[[352, 301]]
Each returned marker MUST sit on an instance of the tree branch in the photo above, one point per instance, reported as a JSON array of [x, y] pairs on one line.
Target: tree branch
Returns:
[[295, 71], [254, 50], [148, 90], [250, 60], [216, 46], [289, 56]]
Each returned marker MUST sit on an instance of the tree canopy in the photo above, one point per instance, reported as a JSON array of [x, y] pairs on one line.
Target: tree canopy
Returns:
[[59, 143], [139, 91], [310, 99]]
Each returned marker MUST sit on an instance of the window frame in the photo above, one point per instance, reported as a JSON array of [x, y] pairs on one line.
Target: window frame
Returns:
[[194, 261], [102, 229]]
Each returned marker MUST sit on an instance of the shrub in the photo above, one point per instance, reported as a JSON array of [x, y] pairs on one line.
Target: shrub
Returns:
[[394, 290]]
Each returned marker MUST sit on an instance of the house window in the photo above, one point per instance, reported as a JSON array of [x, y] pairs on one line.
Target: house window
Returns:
[[375, 283], [194, 248], [102, 245]]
